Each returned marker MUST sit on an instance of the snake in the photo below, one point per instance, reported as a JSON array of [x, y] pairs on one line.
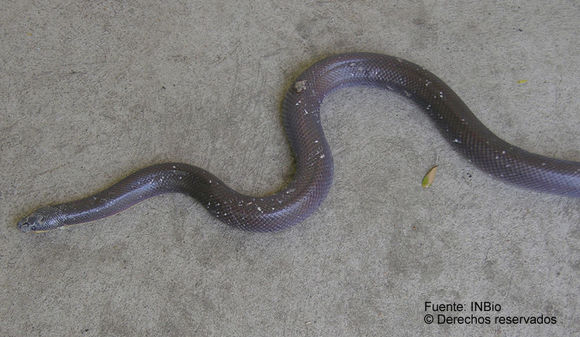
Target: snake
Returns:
[[313, 173]]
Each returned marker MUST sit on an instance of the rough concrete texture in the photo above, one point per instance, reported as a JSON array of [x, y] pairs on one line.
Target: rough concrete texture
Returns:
[[92, 90]]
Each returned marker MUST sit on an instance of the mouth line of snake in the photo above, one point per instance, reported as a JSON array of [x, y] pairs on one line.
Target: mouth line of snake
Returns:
[[314, 165]]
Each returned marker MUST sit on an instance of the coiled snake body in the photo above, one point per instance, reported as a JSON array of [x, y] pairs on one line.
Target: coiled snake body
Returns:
[[314, 166]]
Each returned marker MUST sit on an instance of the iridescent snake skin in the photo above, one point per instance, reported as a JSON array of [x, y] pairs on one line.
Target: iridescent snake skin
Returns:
[[314, 167]]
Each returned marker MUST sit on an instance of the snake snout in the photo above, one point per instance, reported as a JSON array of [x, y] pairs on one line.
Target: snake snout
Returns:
[[32, 223], [37, 222], [27, 224], [41, 220]]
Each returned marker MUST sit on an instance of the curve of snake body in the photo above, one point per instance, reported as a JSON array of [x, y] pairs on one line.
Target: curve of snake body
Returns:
[[314, 165]]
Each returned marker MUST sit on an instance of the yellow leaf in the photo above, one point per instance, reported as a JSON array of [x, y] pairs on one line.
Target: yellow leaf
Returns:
[[429, 177], [522, 81]]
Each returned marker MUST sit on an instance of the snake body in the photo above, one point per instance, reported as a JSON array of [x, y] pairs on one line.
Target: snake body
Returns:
[[314, 165]]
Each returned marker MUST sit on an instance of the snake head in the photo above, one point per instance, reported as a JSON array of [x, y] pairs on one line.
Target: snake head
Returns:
[[41, 220]]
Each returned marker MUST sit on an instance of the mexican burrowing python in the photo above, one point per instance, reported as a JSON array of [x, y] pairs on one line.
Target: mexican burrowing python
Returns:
[[314, 166]]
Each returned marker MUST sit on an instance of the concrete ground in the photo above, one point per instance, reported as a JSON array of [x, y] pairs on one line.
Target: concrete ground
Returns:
[[92, 90]]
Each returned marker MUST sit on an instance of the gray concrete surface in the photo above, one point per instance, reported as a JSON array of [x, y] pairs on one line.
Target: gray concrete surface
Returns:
[[92, 90]]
